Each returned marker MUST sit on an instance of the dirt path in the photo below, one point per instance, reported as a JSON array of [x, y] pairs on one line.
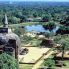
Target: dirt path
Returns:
[[37, 65]]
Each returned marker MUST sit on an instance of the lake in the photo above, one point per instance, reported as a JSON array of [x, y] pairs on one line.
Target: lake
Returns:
[[40, 28]]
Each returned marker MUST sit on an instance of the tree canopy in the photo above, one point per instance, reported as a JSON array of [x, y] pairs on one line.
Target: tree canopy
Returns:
[[8, 62]]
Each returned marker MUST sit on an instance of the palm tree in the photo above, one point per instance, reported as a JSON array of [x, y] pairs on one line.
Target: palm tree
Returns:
[[64, 42]]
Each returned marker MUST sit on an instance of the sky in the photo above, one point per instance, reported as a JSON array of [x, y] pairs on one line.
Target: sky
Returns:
[[39, 0]]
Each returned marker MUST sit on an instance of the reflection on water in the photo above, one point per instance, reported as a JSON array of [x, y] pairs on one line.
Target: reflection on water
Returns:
[[40, 28]]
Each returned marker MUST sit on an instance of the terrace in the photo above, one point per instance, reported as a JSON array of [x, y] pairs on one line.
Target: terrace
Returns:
[[34, 55]]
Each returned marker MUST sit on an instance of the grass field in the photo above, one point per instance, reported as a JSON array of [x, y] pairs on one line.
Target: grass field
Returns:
[[23, 24], [25, 66], [29, 23], [67, 65]]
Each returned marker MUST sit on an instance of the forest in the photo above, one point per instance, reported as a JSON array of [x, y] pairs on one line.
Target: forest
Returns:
[[55, 12], [19, 12], [46, 16]]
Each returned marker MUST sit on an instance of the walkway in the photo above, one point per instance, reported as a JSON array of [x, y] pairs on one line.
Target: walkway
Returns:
[[37, 65], [34, 55]]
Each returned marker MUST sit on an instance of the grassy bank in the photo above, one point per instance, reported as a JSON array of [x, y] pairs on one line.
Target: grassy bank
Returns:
[[25, 66], [23, 24]]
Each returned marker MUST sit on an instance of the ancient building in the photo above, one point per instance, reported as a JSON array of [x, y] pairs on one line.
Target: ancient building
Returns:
[[9, 41]]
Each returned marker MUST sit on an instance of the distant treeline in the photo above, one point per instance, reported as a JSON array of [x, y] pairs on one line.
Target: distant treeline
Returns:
[[19, 12]]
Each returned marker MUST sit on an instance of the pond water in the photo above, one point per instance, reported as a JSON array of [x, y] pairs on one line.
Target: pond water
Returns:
[[40, 28]]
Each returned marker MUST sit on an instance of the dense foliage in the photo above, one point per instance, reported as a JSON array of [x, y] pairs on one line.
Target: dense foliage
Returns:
[[65, 21], [64, 26], [19, 12], [64, 43], [49, 62], [49, 25], [7, 62]]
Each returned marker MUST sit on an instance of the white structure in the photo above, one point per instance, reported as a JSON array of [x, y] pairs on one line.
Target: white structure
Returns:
[[9, 41]]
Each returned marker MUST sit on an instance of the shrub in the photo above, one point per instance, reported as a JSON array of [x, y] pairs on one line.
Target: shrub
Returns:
[[8, 62], [49, 62]]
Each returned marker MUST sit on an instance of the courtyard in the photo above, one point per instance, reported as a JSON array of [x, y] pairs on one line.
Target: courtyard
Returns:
[[33, 56]]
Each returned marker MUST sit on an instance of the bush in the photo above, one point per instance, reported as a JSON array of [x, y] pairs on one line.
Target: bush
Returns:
[[49, 62], [49, 25], [8, 62]]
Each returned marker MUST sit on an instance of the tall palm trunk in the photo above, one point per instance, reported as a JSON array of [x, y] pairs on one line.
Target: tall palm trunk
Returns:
[[63, 48]]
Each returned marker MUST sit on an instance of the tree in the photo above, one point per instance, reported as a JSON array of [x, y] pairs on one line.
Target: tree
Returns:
[[64, 42], [8, 62], [50, 25], [45, 18], [17, 31], [35, 14], [49, 62], [14, 20], [65, 45], [1, 19], [65, 21], [57, 38], [23, 18], [47, 35], [63, 30]]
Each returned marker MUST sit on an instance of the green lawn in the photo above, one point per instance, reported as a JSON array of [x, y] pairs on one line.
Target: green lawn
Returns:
[[67, 64], [32, 41], [23, 24], [64, 67], [25, 66]]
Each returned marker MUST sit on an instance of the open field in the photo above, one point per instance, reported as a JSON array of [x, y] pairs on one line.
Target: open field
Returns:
[[25, 66], [23, 24], [67, 64]]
